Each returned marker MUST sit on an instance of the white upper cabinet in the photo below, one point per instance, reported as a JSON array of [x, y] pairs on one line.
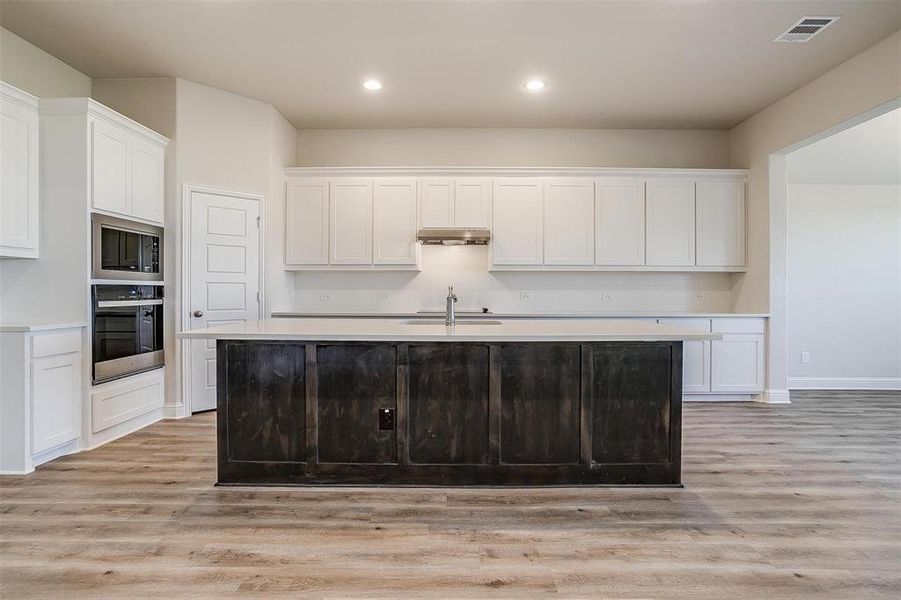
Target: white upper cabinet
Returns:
[[147, 180], [447, 203], [670, 223], [517, 222], [127, 168], [472, 203], [19, 175], [569, 221], [306, 226], [350, 222], [436, 203], [109, 167], [619, 222], [394, 222], [721, 223]]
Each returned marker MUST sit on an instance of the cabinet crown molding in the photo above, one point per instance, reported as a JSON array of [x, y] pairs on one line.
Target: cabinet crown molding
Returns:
[[11, 93], [707, 174], [91, 108]]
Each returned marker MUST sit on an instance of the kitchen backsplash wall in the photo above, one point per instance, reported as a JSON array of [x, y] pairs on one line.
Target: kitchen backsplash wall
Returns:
[[466, 268]]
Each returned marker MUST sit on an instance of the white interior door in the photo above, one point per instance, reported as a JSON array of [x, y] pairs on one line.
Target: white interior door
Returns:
[[224, 246]]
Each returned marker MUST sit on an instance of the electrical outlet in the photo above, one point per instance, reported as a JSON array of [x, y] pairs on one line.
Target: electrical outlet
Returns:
[[700, 297], [326, 297], [606, 296], [805, 358], [384, 297], [525, 296]]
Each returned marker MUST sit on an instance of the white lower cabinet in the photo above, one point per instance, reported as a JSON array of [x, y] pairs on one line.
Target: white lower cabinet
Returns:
[[734, 365], [40, 410], [123, 400]]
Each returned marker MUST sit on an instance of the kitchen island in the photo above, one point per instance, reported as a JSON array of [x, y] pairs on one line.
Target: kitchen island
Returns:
[[413, 402]]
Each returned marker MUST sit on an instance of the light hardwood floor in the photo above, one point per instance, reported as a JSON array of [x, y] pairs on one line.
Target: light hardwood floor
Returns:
[[799, 501]]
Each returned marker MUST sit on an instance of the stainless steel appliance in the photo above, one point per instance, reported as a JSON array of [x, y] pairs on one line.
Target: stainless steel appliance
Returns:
[[127, 334], [123, 249], [454, 237]]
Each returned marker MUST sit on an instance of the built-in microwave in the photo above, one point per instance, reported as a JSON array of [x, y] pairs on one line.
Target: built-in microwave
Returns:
[[123, 249]]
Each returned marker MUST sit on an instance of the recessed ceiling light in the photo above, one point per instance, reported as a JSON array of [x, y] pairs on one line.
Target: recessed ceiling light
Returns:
[[373, 85], [535, 85]]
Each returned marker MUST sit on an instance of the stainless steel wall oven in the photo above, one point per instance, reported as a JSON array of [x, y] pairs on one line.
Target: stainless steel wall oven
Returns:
[[127, 330]]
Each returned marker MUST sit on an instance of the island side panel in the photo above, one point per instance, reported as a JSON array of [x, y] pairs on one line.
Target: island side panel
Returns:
[[448, 404], [261, 403], [634, 402], [540, 400], [355, 382]]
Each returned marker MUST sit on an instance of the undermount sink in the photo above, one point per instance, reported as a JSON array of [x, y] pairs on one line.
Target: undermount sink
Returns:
[[459, 322]]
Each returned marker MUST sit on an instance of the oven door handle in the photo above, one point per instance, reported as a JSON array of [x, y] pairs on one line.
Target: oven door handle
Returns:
[[115, 303]]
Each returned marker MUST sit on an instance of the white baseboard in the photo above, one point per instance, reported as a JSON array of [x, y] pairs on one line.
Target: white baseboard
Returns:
[[844, 383], [717, 397], [70, 447], [174, 411], [774, 397]]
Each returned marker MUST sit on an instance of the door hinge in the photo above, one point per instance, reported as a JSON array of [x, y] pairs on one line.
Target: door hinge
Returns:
[[258, 296], [258, 222]]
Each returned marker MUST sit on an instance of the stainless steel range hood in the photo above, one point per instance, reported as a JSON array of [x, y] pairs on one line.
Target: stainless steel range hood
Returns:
[[454, 237]]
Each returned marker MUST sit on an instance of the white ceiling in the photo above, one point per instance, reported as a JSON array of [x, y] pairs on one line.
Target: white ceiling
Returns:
[[867, 154], [621, 64]]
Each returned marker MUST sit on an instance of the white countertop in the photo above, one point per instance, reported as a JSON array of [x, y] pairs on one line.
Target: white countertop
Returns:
[[501, 315], [393, 330], [27, 328]]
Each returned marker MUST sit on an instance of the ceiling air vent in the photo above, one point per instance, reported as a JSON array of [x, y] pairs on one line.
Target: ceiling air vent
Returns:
[[806, 28]]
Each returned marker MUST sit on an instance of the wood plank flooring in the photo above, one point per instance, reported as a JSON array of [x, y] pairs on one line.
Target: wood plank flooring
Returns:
[[796, 501]]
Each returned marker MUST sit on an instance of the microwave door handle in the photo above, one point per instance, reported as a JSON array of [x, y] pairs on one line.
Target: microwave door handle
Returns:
[[115, 303]]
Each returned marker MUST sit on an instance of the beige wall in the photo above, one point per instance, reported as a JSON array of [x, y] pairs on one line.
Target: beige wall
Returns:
[[512, 147], [282, 153], [29, 68]]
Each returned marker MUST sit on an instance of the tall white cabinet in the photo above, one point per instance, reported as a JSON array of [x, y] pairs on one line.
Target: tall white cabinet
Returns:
[[19, 173]]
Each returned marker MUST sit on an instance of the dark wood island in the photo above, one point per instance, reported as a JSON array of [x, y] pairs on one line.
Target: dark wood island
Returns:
[[317, 401]]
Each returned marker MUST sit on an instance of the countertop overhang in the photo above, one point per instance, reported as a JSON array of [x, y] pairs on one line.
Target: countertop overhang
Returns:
[[385, 330]]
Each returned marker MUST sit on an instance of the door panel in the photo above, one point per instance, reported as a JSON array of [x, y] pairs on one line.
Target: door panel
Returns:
[[670, 230], [472, 203], [436, 203], [737, 363], [56, 395], [110, 168], [631, 394], [355, 383], [307, 228], [569, 221], [350, 203], [147, 180], [266, 416], [448, 404], [394, 222], [225, 277], [540, 403], [19, 181], [620, 225], [721, 223], [517, 222]]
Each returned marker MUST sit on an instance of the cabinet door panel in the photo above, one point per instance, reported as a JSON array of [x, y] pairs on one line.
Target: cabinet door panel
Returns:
[[670, 231], [695, 356], [517, 219], [19, 180], [307, 228], [394, 222], [448, 405], [56, 400], [737, 363], [351, 222], [110, 168], [355, 382], [540, 403], [472, 203], [266, 413], [620, 225], [436, 203], [569, 222], [631, 413], [721, 223], [147, 180]]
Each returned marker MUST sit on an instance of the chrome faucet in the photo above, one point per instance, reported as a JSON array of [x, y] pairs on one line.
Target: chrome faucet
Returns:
[[450, 317]]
